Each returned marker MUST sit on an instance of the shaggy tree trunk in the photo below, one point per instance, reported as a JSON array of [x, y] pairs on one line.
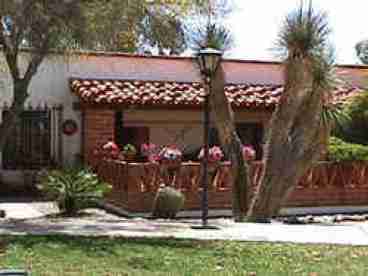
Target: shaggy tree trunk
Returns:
[[224, 122], [294, 140]]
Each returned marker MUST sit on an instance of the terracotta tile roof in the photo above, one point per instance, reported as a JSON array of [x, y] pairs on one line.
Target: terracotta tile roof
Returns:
[[182, 94]]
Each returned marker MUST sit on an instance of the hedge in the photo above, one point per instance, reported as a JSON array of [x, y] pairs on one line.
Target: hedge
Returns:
[[339, 150]]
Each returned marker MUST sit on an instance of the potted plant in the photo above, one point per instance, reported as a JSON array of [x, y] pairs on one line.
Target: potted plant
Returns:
[[215, 155], [249, 153], [151, 152], [109, 150], [170, 156], [129, 152]]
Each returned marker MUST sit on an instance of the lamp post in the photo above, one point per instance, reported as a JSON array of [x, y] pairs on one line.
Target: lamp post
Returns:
[[208, 60]]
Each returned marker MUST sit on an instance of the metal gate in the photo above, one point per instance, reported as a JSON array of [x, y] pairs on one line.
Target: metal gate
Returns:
[[36, 140]]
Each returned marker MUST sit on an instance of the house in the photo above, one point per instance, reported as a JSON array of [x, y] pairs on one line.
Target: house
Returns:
[[87, 99]]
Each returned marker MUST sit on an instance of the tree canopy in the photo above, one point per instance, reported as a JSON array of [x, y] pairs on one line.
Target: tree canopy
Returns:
[[125, 25]]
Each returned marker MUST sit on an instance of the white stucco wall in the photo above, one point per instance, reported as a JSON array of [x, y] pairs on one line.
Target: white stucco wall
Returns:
[[49, 86]]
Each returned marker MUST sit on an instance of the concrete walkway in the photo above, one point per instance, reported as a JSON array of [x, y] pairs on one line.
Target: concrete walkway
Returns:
[[29, 218], [27, 210]]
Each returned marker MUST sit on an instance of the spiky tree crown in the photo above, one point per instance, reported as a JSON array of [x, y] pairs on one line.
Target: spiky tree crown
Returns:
[[211, 36], [205, 29], [305, 36]]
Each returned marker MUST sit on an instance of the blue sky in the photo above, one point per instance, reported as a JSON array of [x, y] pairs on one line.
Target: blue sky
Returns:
[[255, 25]]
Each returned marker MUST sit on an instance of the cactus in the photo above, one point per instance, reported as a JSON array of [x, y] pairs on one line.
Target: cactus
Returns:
[[167, 203]]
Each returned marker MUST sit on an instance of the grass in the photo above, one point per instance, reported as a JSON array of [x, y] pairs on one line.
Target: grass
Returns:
[[63, 255]]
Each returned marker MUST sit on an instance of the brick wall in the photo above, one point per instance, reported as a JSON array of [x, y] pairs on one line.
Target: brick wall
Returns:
[[327, 184], [99, 127]]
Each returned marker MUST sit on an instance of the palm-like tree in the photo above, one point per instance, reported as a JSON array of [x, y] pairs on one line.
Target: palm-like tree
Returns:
[[214, 35], [300, 124]]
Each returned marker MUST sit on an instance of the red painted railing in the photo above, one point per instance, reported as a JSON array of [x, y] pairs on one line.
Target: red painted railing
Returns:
[[135, 184]]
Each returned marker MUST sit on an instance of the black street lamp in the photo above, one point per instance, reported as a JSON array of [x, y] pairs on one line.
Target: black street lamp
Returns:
[[208, 60]]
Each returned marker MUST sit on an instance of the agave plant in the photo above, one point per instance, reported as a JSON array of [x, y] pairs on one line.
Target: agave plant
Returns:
[[73, 189]]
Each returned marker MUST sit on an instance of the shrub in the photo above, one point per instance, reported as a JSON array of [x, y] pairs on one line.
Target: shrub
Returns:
[[355, 127], [339, 150], [73, 189], [129, 149], [167, 203]]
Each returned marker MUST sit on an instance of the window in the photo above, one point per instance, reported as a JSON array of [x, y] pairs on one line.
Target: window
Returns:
[[29, 145], [129, 135]]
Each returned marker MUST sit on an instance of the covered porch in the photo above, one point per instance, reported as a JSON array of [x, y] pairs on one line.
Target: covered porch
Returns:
[[167, 112]]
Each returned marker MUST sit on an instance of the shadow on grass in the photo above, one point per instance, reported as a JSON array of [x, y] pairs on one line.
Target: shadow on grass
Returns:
[[92, 244], [101, 227]]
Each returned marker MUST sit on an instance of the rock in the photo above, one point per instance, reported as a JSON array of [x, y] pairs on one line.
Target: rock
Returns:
[[338, 218], [309, 219], [324, 220], [294, 220]]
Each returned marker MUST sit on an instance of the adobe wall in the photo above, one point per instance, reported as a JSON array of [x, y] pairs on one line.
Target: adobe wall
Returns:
[[184, 128]]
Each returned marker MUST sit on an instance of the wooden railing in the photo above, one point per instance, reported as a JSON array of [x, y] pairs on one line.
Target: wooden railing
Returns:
[[135, 184]]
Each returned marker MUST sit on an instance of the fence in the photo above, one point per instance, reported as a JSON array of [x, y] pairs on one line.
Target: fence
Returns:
[[326, 184]]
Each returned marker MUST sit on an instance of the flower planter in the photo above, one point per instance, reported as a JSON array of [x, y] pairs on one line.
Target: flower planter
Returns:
[[171, 164], [129, 157]]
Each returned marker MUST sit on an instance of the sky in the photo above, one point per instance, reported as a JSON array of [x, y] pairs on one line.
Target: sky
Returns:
[[256, 23]]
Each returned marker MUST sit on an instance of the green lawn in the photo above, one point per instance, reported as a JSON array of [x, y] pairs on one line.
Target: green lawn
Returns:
[[61, 255]]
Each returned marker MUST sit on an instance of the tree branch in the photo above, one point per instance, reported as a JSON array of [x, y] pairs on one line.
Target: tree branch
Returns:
[[36, 60]]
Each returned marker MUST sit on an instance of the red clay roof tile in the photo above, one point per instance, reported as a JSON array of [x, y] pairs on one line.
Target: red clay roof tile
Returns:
[[168, 93]]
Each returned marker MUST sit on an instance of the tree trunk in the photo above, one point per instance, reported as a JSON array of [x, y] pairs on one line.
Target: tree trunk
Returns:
[[7, 124], [294, 141], [224, 122]]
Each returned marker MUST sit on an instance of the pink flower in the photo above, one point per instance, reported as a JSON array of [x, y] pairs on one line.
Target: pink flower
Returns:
[[110, 146], [215, 154], [249, 153], [147, 148], [151, 151], [170, 153], [110, 149]]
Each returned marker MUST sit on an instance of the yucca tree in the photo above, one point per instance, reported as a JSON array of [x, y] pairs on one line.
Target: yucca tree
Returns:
[[212, 34], [223, 116], [301, 123]]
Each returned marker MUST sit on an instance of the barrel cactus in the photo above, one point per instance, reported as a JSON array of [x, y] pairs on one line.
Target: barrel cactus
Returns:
[[167, 203]]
